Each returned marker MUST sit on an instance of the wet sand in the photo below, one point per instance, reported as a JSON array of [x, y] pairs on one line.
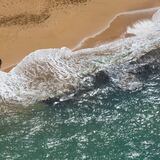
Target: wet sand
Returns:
[[116, 28], [35, 24]]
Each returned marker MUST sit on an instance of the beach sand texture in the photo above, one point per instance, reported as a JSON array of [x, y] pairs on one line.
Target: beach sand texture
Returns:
[[29, 25]]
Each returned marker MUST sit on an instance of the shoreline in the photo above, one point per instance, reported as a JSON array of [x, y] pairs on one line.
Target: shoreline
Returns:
[[109, 32], [103, 35], [69, 26]]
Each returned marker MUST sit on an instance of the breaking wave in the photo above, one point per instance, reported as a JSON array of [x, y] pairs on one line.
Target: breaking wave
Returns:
[[61, 73]]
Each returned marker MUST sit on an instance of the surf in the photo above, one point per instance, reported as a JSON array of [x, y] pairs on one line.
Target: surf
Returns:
[[57, 73]]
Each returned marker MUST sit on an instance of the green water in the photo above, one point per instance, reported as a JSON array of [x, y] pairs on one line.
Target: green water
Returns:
[[102, 124]]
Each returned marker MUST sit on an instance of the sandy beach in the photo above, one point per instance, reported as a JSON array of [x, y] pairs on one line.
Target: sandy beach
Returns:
[[35, 24]]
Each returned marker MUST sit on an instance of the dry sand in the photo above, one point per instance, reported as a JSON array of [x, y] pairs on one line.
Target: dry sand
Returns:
[[29, 25]]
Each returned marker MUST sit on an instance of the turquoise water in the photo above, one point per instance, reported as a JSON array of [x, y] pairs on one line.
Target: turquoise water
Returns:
[[102, 124]]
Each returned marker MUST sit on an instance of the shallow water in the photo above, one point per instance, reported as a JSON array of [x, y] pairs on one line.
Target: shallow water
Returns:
[[102, 124]]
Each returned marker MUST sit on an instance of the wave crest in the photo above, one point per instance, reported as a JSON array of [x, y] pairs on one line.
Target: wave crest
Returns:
[[146, 26], [51, 73]]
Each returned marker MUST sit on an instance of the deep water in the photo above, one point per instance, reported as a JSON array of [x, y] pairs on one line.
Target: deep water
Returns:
[[105, 123]]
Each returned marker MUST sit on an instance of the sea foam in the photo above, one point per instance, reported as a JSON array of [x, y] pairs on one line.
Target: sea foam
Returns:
[[51, 73]]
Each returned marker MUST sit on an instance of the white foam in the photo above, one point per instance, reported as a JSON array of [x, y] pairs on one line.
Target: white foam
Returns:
[[49, 73], [146, 26]]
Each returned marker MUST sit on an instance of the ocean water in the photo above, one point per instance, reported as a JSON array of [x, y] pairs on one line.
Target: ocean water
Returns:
[[105, 123], [100, 122]]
